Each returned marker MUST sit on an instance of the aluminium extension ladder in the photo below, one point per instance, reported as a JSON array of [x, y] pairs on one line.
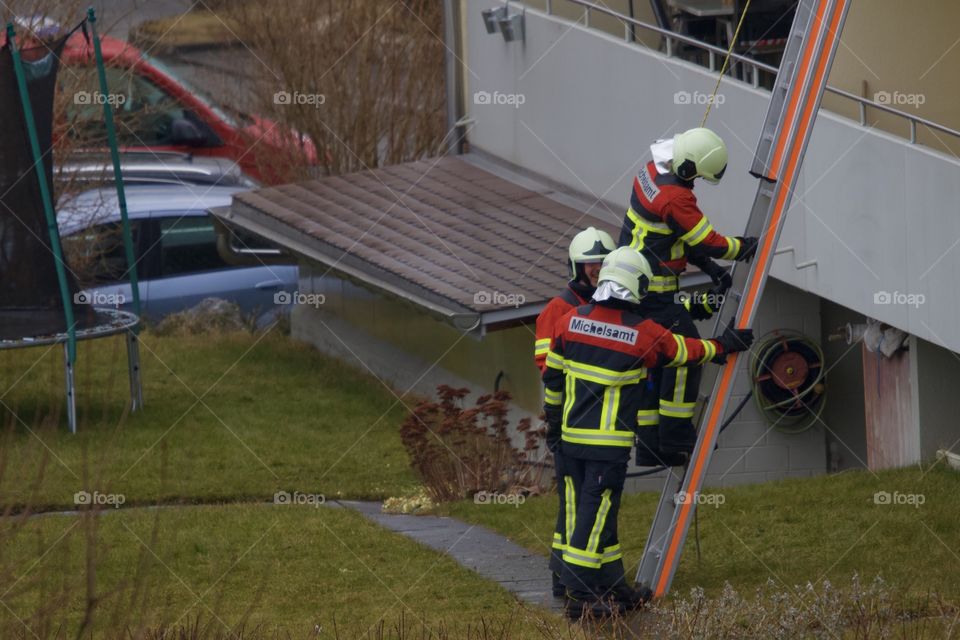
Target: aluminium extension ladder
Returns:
[[794, 103]]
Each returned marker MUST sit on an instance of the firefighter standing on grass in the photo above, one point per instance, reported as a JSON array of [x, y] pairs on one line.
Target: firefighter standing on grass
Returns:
[[595, 368], [666, 225], [587, 251]]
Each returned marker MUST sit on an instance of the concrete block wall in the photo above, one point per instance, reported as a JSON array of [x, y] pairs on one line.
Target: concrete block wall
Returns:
[[750, 450]]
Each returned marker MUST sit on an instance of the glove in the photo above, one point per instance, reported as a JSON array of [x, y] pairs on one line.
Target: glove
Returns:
[[748, 247], [720, 276], [707, 304], [735, 340], [697, 309]]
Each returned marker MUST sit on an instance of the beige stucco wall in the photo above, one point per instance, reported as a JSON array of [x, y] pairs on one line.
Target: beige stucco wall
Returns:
[[905, 47]]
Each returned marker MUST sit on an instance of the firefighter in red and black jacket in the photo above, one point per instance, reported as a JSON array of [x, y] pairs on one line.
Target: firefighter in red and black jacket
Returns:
[[596, 366], [587, 251], [665, 223]]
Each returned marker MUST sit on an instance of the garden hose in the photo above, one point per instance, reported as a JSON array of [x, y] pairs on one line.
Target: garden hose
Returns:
[[788, 380]]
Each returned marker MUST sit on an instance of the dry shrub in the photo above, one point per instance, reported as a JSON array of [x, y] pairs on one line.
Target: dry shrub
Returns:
[[858, 611], [210, 315], [459, 452], [378, 64]]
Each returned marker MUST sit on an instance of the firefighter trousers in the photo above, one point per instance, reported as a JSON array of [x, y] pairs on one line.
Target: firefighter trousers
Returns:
[[665, 421], [592, 560]]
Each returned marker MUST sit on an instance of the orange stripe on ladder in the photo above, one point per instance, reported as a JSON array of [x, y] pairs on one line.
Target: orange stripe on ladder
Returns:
[[818, 22]]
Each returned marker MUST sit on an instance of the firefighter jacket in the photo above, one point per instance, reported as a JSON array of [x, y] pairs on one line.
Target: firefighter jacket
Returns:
[[572, 297], [665, 223], [596, 364]]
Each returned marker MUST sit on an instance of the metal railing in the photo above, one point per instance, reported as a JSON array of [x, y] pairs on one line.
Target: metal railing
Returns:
[[755, 67]]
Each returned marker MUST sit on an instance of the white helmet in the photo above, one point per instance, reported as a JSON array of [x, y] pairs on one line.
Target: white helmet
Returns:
[[590, 245]]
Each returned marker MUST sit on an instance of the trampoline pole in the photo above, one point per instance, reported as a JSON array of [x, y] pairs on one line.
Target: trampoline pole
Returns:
[[71, 389], [133, 369], [117, 174], [71, 346]]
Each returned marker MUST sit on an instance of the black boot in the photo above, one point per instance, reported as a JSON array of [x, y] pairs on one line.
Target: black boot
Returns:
[[581, 604], [631, 599]]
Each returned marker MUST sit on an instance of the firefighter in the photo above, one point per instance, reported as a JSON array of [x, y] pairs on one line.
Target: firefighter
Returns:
[[666, 225], [595, 368], [587, 250]]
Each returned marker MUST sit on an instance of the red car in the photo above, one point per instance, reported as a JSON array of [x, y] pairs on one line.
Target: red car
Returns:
[[167, 116]]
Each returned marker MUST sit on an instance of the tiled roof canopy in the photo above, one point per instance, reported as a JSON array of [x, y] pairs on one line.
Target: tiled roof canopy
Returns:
[[443, 230]]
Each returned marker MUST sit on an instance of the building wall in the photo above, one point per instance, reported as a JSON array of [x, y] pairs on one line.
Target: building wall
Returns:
[[751, 450], [876, 213], [938, 372], [428, 344], [871, 59], [878, 55], [413, 352], [843, 414]]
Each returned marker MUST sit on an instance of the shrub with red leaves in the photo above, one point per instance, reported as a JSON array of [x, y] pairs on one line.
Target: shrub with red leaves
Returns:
[[458, 452]]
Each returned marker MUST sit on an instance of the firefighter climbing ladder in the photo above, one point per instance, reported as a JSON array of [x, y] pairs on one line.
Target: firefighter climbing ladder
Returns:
[[794, 103]]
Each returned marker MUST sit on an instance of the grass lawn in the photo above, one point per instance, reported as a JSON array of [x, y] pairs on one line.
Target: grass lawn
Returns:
[[229, 420], [791, 531], [294, 568], [227, 417]]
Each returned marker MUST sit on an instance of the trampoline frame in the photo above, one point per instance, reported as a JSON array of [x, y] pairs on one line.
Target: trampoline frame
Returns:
[[120, 322]]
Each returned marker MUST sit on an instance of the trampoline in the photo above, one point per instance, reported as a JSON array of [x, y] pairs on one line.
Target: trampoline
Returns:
[[40, 301], [108, 322]]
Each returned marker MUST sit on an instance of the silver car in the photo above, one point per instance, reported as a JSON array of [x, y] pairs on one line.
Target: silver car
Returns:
[[178, 261]]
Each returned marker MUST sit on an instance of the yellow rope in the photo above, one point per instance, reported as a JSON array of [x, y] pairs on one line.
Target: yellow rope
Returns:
[[726, 62]]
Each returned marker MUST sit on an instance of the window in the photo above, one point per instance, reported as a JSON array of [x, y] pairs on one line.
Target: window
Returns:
[[97, 255], [144, 113], [188, 245]]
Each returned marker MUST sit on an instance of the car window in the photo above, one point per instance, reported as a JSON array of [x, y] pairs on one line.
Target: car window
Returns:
[[96, 255], [144, 112], [188, 245], [199, 95]]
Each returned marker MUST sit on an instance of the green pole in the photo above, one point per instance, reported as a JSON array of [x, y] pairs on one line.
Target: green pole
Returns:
[[45, 196], [117, 175]]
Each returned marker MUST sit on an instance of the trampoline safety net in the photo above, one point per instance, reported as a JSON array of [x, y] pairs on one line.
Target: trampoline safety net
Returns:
[[30, 299]]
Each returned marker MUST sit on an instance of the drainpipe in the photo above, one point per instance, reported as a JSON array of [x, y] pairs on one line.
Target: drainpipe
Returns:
[[454, 76]]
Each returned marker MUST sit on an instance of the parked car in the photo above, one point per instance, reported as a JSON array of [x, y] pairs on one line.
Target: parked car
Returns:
[[149, 167], [175, 242], [174, 117]]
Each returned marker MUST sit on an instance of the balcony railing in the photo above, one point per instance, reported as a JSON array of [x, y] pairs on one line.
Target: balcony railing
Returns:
[[753, 67]]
